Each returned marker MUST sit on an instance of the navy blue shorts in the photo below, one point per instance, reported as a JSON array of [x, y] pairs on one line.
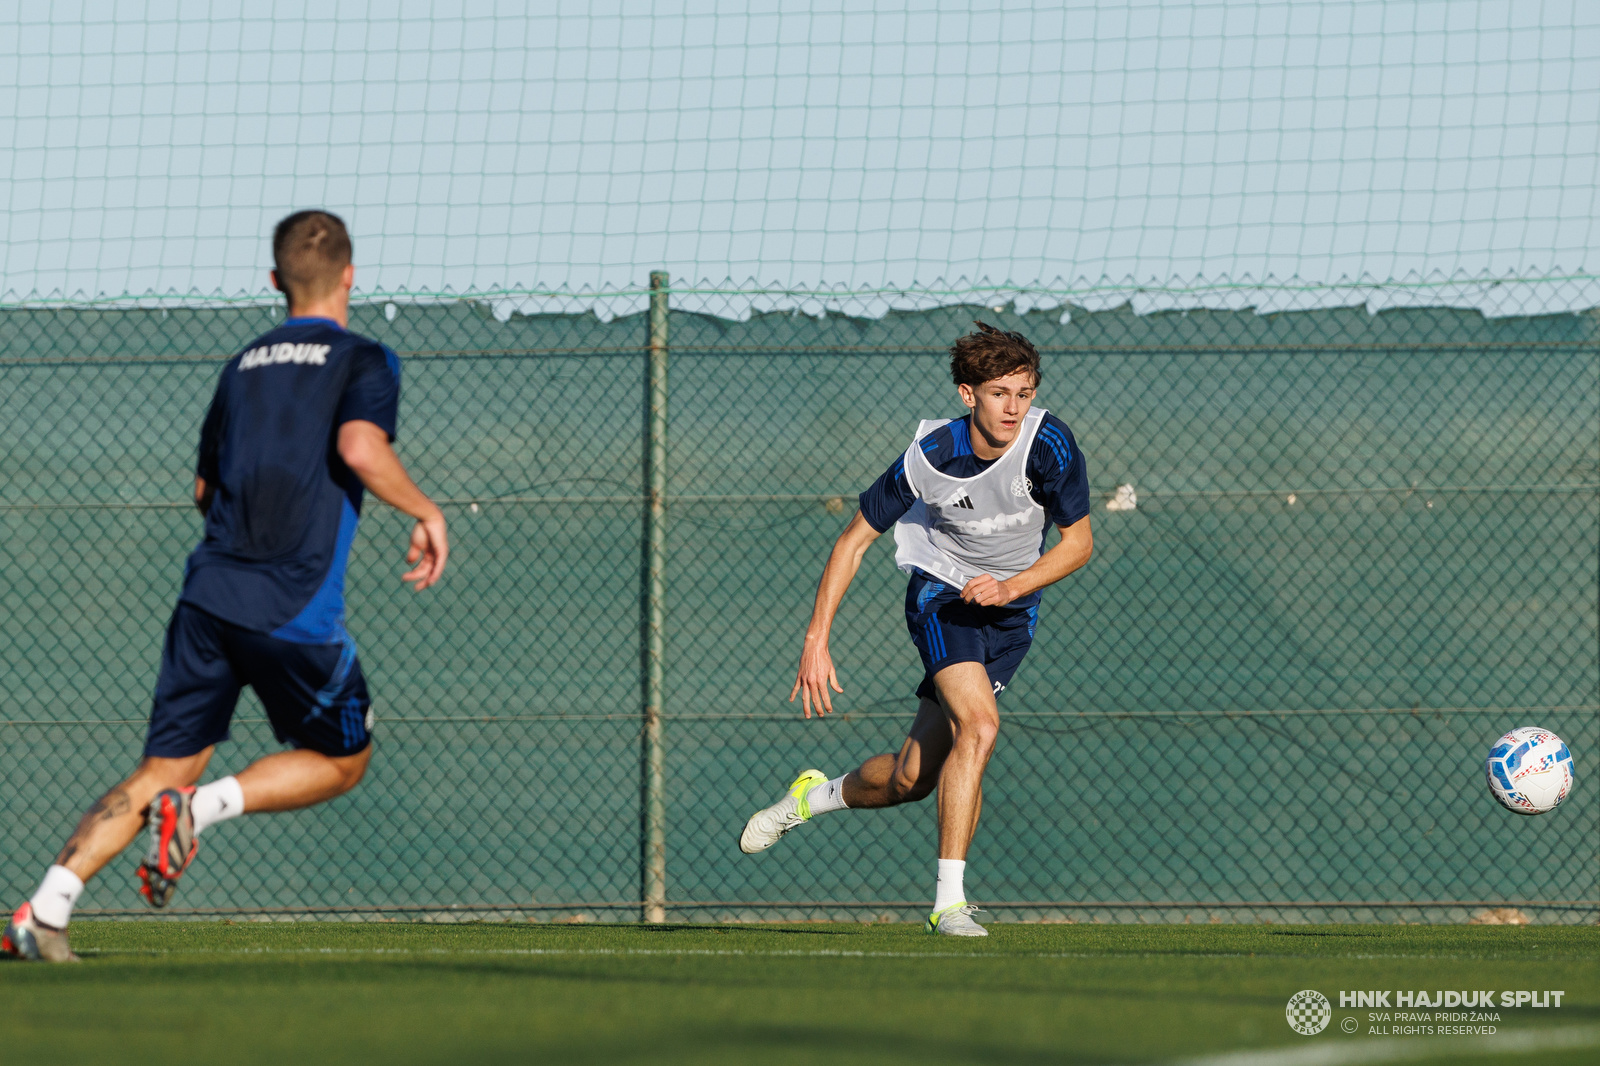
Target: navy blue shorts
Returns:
[[314, 694], [948, 630]]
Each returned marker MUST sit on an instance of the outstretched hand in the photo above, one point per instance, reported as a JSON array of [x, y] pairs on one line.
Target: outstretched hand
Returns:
[[985, 591], [430, 547], [815, 677]]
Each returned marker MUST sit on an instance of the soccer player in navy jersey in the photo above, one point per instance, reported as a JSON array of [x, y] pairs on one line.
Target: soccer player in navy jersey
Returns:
[[971, 502], [301, 423]]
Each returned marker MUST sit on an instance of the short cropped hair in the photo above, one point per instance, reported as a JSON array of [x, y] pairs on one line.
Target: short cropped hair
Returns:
[[310, 250], [992, 353]]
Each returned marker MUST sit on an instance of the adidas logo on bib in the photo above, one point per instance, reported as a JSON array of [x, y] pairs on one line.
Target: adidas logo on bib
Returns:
[[963, 501]]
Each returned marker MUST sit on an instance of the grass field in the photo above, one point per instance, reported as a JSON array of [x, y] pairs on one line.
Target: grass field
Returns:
[[827, 994]]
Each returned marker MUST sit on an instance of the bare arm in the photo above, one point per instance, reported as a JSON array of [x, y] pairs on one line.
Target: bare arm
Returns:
[[816, 672], [1071, 552], [202, 494], [364, 447]]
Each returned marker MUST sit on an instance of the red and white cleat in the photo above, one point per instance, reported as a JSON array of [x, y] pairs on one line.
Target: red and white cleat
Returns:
[[172, 844], [27, 938]]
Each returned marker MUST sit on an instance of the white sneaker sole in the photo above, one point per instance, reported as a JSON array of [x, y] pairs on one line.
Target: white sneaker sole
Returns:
[[767, 826]]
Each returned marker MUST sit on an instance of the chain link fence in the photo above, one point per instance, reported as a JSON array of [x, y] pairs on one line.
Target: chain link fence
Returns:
[[1364, 546]]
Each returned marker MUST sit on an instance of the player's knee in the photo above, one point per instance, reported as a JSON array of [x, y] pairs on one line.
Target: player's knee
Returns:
[[351, 777], [155, 774], [980, 731], [352, 768]]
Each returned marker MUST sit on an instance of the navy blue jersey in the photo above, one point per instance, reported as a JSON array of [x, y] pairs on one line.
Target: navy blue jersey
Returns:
[[1055, 466], [285, 506]]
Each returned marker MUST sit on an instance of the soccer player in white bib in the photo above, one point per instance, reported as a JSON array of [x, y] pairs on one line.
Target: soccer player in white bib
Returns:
[[971, 502]]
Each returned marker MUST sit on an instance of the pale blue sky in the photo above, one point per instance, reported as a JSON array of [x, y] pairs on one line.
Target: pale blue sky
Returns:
[[475, 146]]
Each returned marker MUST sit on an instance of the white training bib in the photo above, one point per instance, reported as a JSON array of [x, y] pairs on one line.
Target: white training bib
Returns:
[[961, 527]]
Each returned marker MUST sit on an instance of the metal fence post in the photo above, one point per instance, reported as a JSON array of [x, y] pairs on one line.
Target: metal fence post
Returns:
[[653, 842]]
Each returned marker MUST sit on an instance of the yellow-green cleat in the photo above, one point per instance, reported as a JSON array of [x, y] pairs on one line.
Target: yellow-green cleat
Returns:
[[954, 920], [767, 825]]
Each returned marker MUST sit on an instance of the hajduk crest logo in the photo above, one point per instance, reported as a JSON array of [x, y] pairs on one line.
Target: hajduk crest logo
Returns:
[[1308, 1012]]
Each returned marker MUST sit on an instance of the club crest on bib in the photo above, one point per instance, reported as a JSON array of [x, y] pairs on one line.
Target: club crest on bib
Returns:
[[1021, 485]]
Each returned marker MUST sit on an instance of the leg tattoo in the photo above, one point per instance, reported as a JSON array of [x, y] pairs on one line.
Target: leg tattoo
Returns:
[[113, 804]]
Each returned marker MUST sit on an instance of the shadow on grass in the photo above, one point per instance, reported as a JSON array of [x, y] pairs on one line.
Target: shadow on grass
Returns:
[[755, 931], [1320, 932], [927, 984], [753, 1043]]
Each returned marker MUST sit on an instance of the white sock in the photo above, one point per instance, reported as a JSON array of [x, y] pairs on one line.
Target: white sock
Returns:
[[828, 796], [217, 802], [58, 894], [948, 890]]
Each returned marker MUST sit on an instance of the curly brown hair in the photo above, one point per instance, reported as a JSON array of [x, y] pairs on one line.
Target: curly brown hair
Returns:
[[992, 353]]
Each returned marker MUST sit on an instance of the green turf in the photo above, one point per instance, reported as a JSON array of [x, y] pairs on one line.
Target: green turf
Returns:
[[823, 994]]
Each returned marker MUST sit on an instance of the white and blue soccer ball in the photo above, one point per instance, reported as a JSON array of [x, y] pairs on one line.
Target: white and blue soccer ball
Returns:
[[1529, 770]]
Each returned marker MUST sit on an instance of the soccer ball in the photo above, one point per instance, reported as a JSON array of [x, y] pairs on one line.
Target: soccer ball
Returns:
[[1529, 770]]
